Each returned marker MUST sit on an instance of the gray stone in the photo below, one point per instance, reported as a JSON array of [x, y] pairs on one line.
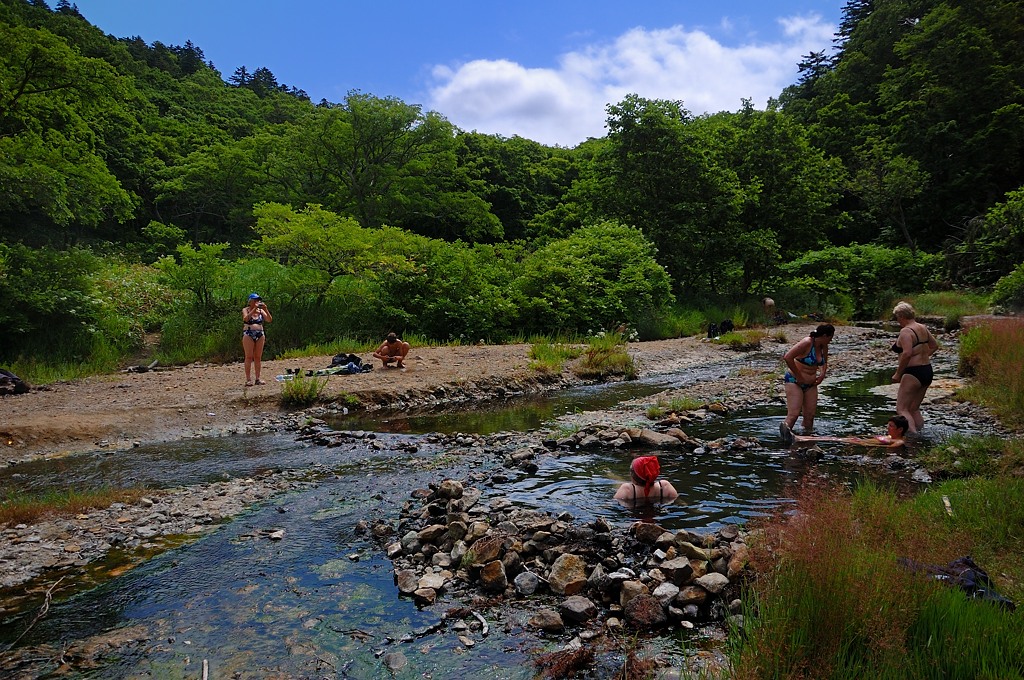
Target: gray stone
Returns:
[[547, 620], [395, 661], [691, 595], [678, 571], [714, 582], [431, 533], [526, 583], [647, 533], [432, 581], [407, 581], [449, 489], [578, 609], [666, 592]]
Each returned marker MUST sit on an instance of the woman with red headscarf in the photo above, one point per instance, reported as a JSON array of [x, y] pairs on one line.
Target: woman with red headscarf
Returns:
[[645, 487]]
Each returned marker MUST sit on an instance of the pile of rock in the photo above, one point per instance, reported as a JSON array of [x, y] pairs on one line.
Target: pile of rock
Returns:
[[448, 542]]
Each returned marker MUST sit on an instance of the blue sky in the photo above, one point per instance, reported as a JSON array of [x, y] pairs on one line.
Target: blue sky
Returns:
[[541, 70]]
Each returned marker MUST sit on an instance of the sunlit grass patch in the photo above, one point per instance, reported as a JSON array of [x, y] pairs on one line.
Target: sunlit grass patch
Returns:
[[606, 356], [951, 305], [550, 358], [742, 341], [993, 353], [830, 599], [303, 390], [28, 508]]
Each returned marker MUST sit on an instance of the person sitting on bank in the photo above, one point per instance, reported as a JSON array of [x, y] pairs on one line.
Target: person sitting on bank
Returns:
[[392, 351], [896, 432], [645, 487]]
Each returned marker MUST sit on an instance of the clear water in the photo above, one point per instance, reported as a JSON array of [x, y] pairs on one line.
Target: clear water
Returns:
[[323, 601]]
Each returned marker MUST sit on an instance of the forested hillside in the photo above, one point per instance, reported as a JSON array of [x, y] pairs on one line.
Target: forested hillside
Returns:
[[141, 188]]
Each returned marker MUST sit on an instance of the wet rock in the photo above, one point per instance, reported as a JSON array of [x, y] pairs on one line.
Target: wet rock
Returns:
[[578, 609], [691, 595], [432, 582], [486, 549], [449, 489], [737, 562], [493, 578], [457, 530], [658, 440], [425, 596], [547, 620], [568, 575], [630, 591], [407, 581], [666, 593], [647, 533], [714, 582], [432, 533], [395, 661], [678, 571], [526, 583], [689, 550], [645, 612]]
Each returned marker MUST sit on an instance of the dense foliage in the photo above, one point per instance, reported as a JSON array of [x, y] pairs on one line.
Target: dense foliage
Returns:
[[893, 165]]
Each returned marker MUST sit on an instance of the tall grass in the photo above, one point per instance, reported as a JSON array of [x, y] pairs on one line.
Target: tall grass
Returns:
[[550, 357], [831, 601], [994, 354], [605, 356], [303, 390], [951, 305], [27, 508]]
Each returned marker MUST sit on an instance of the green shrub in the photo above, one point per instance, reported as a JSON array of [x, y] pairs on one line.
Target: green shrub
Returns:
[[1009, 290], [863, 274], [600, 277], [605, 356], [302, 391]]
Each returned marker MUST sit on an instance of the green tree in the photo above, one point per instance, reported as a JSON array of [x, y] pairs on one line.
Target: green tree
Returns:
[[202, 272], [661, 172], [887, 182], [327, 245], [51, 160], [601, 276]]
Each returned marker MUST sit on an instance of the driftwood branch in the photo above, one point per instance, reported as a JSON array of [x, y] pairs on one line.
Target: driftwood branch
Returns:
[[40, 614]]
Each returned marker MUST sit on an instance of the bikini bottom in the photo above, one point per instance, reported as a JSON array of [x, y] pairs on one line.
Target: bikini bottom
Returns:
[[923, 373], [255, 335], [790, 379]]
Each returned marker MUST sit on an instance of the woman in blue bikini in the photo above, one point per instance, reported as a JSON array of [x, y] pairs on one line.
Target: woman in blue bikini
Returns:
[[254, 316], [807, 362], [915, 346]]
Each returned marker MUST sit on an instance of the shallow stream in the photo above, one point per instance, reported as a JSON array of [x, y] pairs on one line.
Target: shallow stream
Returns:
[[322, 602]]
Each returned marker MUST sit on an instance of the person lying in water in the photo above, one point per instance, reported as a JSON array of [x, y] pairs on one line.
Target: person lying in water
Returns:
[[645, 487], [896, 432]]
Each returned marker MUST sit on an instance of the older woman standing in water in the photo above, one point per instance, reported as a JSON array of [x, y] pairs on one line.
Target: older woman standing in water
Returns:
[[915, 346], [807, 363]]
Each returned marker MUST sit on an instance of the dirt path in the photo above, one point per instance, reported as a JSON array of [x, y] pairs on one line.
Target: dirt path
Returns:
[[116, 411]]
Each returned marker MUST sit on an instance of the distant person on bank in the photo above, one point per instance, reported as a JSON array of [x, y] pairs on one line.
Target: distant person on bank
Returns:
[[254, 316], [915, 346], [392, 351], [645, 488]]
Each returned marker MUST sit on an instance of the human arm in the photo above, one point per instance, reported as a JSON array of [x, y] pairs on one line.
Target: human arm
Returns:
[[623, 492], [800, 349], [267, 316]]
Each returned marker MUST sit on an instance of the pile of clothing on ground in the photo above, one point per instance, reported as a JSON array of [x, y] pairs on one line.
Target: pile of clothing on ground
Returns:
[[12, 384]]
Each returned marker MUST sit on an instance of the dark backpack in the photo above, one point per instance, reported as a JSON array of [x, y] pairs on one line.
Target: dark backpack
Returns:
[[346, 359]]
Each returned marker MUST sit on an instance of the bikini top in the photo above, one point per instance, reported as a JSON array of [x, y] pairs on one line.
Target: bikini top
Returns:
[[255, 319], [812, 359], [661, 491], [917, 341]]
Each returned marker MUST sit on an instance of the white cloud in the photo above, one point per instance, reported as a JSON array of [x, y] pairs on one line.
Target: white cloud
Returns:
[[566, 104]]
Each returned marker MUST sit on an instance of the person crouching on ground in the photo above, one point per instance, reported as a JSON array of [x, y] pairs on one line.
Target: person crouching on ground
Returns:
[[392, 351], [645, 487], [896, 433]]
